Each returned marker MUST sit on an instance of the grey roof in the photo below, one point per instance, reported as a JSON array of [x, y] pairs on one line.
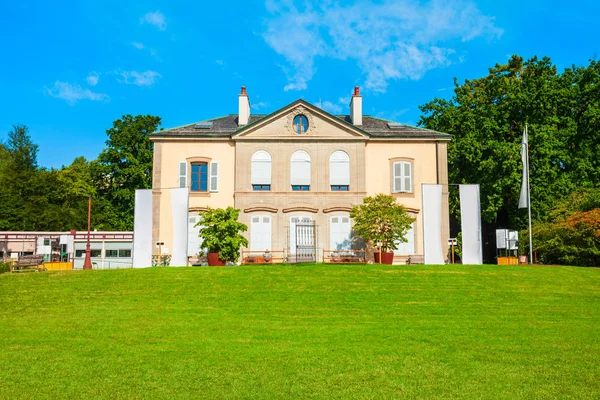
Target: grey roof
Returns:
[[221, 127], [380, 128], [224, 127]]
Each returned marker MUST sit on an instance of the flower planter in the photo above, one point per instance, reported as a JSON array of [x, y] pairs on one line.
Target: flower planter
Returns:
[[214, 261], [386, 258], [522, 259]]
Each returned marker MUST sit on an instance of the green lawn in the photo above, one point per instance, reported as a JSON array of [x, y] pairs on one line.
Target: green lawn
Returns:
[[309, 331]]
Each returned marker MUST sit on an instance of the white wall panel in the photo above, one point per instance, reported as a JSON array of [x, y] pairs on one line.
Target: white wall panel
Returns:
[[470, 221], [432, 224], [142, 229], [179, 214]]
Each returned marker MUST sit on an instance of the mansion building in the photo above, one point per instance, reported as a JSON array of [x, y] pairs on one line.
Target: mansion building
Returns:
[[299, 166]]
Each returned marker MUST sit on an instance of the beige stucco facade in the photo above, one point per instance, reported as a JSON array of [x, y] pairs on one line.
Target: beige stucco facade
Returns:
[[370, 172]]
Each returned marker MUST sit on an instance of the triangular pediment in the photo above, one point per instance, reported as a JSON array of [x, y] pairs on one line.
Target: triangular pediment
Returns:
[[320, 125]]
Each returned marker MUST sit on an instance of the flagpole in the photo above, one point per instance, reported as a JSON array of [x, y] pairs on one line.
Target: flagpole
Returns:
[[529, 202]]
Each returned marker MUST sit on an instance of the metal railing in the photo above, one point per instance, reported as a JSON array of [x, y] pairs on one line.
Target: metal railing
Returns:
[[99, 264]]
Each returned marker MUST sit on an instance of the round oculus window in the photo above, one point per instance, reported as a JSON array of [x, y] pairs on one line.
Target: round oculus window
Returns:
[[300, 124]]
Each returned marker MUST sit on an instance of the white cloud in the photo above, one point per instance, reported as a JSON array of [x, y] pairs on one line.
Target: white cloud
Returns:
[[138, 45], [300, 85], [147, 78], [331, 107], [259, 105], [93, 78], [73, 93], [155, 18], [393, 39]]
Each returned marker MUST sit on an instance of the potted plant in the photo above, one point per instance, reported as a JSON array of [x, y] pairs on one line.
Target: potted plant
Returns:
[[220, 234], [383, 222]]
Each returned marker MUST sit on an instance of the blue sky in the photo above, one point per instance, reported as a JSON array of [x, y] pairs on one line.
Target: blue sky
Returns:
[[70, 68]]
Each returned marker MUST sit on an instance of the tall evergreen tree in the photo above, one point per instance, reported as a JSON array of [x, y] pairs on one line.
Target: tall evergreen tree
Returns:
[[19, 193]]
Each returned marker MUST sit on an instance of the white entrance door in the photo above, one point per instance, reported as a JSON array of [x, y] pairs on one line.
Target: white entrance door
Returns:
[[339, 233], [293, 240], [260, 233], [194, 242]]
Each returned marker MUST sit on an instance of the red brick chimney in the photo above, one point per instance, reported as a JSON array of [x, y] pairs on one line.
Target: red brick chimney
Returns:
[[243, 108], [356, 107]]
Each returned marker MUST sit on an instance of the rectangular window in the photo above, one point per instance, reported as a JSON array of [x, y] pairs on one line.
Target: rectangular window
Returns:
[[194, 241], [111, 253], [407, 248], [199, 177], [300, 188], [93, 253], [264, 188], [125, 253], [340, 229], [402, 177], [340, 188], [260, 233]]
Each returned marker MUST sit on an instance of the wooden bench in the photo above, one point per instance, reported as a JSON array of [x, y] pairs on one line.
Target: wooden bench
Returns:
[[344, 256], [28, 263], [415, 259]]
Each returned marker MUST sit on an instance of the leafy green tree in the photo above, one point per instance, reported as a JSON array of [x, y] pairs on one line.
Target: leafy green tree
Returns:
[[487, 117], [585, 83], [76, 186], [220, 232], [124, 166], [380, 219], [572, 235]]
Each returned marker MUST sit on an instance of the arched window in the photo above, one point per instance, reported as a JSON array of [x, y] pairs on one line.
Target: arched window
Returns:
[[300, 171], [339, 171], [261, 171]]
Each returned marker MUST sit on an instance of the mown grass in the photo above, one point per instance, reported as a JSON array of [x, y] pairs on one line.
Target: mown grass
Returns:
[[310, 331]]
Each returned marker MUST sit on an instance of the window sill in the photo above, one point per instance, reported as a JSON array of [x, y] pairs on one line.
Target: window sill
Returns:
[[403, 194], [200, 194]]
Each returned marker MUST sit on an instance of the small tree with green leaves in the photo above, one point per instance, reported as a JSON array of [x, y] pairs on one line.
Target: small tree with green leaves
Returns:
[[381, 221], [220, 232]]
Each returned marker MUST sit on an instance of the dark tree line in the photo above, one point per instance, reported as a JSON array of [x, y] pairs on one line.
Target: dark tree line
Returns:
[[33, 198]]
